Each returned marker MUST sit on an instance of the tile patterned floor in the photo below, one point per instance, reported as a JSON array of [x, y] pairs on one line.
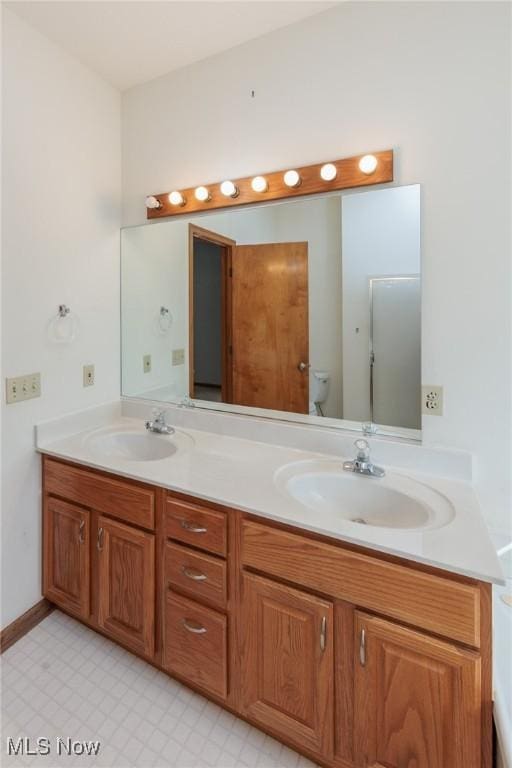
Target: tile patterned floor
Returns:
[[64, 680]]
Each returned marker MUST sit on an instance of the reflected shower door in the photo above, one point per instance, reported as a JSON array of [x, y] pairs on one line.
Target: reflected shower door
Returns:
[[395, 351]]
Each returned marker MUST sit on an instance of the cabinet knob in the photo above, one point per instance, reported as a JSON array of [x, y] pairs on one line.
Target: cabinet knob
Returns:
[[191, 573], [362, 648], [192, 527], [81, 534], [323, 633], [99, 541], [196, 629]]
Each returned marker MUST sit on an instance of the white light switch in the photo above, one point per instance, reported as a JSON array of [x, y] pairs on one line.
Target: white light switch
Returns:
[[23, 388]]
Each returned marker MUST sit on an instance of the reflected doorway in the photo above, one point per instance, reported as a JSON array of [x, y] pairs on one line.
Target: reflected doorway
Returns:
[[248, 317], [210, 369]]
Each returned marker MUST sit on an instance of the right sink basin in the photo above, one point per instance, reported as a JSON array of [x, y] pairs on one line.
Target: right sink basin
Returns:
[[394, 501]]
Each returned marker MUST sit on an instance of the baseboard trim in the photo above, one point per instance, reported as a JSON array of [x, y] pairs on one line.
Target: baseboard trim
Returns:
[[24, 623]]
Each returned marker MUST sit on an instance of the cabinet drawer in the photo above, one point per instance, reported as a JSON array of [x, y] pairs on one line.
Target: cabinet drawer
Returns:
[[440, 605], [196, 525], [195, 644], [202, 576], [118, 498]]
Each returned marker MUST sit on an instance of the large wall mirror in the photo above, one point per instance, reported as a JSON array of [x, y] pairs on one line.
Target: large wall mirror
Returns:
[[307, 309]]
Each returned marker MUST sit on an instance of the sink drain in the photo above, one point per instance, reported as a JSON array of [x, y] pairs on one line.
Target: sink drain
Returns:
[[360, 520]]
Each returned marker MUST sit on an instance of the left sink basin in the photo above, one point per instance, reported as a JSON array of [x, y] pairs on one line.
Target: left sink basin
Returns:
[[136, 445]]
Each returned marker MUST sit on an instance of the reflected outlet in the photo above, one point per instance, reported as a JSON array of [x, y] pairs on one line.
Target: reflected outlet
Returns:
[[178, 356], [88, 375]]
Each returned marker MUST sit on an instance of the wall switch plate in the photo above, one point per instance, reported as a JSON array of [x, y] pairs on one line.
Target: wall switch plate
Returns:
[[432, 400], [178, 356], [88, 374], [23, 388], [146, 363]]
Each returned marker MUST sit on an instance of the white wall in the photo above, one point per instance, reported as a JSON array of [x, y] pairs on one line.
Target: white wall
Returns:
[[381, 237], [430, 80], [154, 274], [61, 196]]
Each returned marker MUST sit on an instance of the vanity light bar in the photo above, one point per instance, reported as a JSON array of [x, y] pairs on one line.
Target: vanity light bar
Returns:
[[358, 171]]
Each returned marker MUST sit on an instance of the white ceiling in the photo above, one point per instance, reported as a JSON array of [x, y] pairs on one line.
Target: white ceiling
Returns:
[[128, 43]]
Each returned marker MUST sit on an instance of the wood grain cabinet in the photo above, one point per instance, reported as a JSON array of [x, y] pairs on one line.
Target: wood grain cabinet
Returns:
[[417, 699], [66, 575], [287, 669], [355, 658], [126, 584], [195, 645]]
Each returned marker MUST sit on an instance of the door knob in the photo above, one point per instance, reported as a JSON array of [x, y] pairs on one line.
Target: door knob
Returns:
[[303, 367]]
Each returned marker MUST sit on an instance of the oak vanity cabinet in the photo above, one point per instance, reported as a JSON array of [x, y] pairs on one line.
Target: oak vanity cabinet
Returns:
[[416, 699], [401, 696], [195, 624], [126, 584], [99, 552], [288, 662], [66, 543], [355, 658]]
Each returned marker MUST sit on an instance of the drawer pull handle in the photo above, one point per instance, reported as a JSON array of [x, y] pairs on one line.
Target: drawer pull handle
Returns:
[[192, 527], [81, 535], [99, 541], [323, 633], [191, 573], [362, 648], [196, 629]]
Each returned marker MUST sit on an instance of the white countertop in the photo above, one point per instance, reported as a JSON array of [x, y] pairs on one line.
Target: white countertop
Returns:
[[239, 473]]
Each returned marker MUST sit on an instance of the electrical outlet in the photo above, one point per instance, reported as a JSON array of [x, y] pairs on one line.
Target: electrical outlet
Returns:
[[88, 374], [23, 388], [146, 363], [178, 356], [432, 400]]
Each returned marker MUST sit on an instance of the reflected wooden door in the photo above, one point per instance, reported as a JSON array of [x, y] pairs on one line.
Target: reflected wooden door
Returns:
[[270, 340]]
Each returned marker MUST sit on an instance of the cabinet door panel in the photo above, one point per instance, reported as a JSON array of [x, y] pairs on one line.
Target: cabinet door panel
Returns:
[[416, 699], [66, 571], [126, 576], [288, 662]]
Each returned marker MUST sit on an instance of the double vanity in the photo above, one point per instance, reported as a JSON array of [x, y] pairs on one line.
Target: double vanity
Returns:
[[349, 616]]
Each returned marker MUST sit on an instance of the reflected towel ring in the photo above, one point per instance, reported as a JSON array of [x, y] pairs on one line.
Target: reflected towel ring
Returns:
[[63, 327]]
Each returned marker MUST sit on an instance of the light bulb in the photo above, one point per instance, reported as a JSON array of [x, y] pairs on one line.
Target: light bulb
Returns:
[[202, 194], [291, 179], [153, 202], [259, 184], [229, 189], [368, 164], [176, 198], [328, 172]]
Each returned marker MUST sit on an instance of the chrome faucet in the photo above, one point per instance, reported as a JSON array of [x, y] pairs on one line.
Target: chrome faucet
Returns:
[[362, 464], [159, 424]]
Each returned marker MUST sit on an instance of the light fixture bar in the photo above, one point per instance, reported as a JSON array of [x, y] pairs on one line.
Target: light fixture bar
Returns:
[[361, 170]]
